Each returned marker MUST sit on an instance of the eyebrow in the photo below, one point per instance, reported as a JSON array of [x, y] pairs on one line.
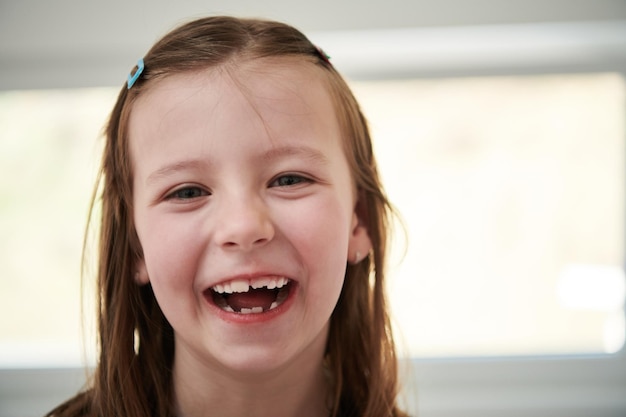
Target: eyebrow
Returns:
[[301, 151], [188, 164], [306, 152]]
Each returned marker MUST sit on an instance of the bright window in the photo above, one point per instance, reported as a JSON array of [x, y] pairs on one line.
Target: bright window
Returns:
[[511, 189], [512, 192], [49, 153]]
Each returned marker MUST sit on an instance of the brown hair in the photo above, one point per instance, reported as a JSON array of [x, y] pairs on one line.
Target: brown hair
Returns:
[[136, 382]]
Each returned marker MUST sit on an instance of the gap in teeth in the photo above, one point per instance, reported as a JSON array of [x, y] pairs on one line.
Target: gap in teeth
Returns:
[[281, 295], [241, 285], [253, 310]]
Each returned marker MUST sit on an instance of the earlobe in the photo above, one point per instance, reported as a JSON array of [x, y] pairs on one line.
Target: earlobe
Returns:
[[141, 272], [360, 243]]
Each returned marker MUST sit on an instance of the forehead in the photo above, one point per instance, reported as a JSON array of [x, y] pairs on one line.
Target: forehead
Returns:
[[273, 98], [262, 79]]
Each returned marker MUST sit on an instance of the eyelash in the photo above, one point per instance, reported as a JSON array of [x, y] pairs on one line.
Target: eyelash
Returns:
[[295, 180], [183, 193], [178, 194]]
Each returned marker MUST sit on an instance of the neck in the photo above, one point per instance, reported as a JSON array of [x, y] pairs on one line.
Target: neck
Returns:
[[296, 390]]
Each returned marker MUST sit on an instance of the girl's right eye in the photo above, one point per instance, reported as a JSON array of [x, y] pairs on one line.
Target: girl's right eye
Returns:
[[187, 193]]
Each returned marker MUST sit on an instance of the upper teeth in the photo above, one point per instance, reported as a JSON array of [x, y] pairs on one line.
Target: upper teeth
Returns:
[[244, 285]]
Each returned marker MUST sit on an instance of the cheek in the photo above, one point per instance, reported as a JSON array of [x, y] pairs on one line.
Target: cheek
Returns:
[[171, 256], [325, 223], [320, 233], [170, 251]]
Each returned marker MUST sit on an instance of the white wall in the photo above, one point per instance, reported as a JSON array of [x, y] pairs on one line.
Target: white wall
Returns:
[[74, 43]]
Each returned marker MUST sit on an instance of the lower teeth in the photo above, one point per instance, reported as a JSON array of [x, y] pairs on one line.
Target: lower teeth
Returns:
[[253, 310], [281, 296]]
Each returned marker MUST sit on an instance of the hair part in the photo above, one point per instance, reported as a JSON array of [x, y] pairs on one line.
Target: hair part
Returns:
[[134, 382]]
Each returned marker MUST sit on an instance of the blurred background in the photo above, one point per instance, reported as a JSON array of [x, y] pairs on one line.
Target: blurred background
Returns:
[[499, 127]]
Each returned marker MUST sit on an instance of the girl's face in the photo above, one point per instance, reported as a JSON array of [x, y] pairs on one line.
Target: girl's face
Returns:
[[245, 210]]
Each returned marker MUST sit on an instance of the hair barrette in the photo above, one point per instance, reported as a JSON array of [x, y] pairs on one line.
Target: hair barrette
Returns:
[[132, 78], [323, 55]]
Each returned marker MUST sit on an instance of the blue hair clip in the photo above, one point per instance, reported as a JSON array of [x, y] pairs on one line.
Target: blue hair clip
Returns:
[[325, 57], [133, 77]]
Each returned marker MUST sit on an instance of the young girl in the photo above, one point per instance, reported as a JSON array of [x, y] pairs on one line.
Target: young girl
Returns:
[[242, 238]]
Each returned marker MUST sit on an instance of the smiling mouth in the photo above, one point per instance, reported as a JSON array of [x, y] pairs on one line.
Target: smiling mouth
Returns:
[[252, 296]]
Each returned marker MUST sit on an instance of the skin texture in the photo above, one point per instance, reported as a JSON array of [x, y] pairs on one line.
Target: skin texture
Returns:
[[240, 174]]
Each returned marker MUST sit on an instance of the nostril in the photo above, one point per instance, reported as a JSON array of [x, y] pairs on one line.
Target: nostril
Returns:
[[243, 245]]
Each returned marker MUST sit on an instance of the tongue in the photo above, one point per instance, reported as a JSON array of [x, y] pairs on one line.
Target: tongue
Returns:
[[253, 298]]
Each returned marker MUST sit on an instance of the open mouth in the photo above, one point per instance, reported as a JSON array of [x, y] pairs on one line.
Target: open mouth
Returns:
[[253, 296]]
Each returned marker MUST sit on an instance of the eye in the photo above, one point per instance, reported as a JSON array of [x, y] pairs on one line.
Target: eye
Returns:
[[289, 180], [187, 193]]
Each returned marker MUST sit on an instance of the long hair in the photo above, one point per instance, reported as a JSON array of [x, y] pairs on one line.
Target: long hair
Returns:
[[136, 342]]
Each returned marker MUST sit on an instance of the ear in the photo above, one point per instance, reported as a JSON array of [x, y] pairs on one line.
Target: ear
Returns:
[[141, 272], [360, 244]]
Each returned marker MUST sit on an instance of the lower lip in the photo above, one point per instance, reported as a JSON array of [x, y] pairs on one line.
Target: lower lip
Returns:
[[253, 318]]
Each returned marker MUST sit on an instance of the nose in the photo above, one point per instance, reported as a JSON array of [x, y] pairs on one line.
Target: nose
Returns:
[[243, 223]]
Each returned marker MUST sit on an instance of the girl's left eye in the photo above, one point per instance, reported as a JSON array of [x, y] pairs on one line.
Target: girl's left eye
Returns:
[[187, 193], [289, 180]]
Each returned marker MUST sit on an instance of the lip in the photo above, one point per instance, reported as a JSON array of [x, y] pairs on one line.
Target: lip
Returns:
[[238, 318]]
